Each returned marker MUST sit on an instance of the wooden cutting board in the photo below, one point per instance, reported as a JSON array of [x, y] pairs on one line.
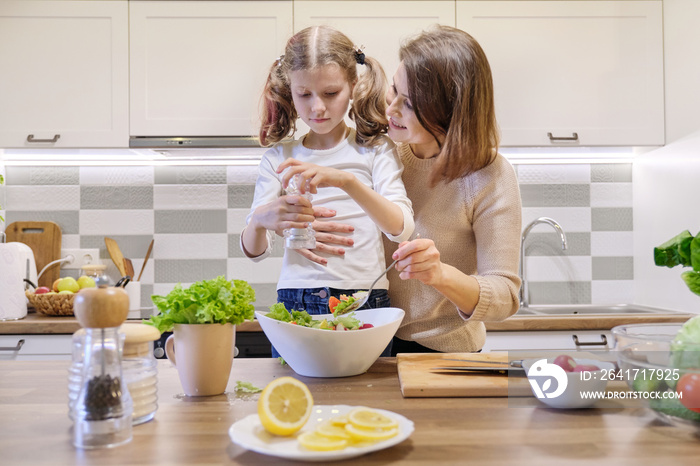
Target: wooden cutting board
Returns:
[[418, 379], [45, 240]]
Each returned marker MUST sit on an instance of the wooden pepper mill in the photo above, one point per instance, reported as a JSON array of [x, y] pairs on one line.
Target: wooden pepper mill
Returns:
[[103, 410], [103, 307]]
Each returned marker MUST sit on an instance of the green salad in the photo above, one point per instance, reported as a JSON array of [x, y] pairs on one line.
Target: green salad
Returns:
[[278, 311]]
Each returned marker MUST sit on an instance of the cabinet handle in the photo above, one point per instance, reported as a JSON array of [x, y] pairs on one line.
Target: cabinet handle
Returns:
[[603, 341], [573, 137], [13, 348], [31, 138]]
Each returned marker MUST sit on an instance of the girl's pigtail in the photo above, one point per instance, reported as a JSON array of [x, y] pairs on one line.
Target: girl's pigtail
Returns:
[[278, 113], [368, 109]]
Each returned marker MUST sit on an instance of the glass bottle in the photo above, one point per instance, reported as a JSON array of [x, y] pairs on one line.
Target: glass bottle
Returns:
[[299, 238], [103, 409]]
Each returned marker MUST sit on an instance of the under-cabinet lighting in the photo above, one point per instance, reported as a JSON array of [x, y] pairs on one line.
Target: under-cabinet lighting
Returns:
[[252, 156], [570, 155], [129, 157]]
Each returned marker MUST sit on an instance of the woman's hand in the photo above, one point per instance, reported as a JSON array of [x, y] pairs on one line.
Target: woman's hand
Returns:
[[313, 176], [284, 212], [326, 237], [419, 259]]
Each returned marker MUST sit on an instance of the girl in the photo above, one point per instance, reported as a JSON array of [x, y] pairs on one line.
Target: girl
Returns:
[[355, 174], [465, 196]]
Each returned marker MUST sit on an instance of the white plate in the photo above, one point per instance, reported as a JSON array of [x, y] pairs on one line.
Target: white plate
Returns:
[[250, 434]]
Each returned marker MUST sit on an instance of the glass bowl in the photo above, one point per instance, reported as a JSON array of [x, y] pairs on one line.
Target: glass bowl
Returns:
[[654, 365]]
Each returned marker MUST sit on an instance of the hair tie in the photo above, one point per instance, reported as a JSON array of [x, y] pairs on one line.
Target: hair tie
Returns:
[[359, 56], [279, 61]]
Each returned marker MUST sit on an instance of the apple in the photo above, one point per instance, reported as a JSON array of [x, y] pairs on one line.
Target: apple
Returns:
[[42, 290], [86, 282], [566, 362], [66, 292], [586, 368], [54, 287], [50, 292], [69, 284]]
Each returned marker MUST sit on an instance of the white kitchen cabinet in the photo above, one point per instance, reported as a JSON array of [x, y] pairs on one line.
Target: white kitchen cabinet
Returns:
[[64, 79], [580, 340], [379, 26], [586, 73], [35, 347], [198, 67]]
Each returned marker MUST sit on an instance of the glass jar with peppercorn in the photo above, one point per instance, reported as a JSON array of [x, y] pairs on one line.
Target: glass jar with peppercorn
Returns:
[[103, 410]]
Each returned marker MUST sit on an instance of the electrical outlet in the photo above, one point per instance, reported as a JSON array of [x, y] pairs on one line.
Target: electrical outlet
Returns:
[[80, 257]]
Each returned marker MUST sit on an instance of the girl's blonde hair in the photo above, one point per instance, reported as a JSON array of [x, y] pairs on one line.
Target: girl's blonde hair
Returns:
[[311, 48], [451, 90]]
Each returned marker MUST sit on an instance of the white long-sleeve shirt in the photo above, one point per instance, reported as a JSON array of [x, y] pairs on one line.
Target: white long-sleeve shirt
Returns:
[[377, 167]]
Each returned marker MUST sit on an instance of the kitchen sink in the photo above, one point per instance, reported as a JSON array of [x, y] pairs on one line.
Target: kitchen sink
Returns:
[[591, 309]]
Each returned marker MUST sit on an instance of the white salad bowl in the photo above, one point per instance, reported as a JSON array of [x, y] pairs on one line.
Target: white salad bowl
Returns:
[[313, 352]]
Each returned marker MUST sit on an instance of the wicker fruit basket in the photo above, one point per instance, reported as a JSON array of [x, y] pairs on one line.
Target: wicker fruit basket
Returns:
[[51, 304]]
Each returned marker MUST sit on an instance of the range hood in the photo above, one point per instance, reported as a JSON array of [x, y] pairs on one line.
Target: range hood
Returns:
[[194, 142]]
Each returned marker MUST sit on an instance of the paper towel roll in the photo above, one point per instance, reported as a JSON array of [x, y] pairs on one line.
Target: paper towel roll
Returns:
[[13, 302]]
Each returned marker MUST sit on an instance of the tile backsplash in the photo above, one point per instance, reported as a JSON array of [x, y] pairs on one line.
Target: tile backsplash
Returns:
[[196, 214]]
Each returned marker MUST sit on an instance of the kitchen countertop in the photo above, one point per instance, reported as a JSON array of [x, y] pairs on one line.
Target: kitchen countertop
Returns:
[[40, 324], [36, 429]]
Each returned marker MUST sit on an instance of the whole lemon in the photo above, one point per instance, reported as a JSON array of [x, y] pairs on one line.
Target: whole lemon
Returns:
[[86, 282], [68, 284]]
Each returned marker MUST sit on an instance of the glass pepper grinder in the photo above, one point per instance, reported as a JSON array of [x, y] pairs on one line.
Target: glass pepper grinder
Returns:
[[103, 410], [299, 238]]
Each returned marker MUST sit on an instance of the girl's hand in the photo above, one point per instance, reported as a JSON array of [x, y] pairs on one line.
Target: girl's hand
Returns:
[[326, 237], [419, 259], [284, 212], [313, 176]]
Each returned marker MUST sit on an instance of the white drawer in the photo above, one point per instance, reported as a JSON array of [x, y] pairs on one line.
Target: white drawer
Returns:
[[581, 340], [35, 347]]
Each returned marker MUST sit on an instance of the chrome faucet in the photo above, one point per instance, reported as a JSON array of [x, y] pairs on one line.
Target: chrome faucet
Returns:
[[549, 221]]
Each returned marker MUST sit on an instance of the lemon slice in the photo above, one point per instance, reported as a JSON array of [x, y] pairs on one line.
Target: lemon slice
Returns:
[[317, 442], [339, 420], [366, 418], [330, 430], [373, 435], [285, 406]]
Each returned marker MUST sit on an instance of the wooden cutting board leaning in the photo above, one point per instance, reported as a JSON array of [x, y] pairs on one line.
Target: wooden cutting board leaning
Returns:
[[419, 378], [45, 240]]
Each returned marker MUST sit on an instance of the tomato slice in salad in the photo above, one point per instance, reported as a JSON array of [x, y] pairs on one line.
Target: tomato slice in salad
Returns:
[[333, 303]]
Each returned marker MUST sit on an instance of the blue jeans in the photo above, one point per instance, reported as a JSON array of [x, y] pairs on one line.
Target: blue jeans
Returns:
[[315, 302]]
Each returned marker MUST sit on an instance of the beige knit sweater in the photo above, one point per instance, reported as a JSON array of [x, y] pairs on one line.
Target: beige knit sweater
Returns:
[[475, 222]]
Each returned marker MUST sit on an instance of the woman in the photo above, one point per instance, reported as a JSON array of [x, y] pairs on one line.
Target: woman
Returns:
[[463, 269]]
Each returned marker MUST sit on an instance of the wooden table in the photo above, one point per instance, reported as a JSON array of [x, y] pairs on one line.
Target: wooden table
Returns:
[[35, 428]]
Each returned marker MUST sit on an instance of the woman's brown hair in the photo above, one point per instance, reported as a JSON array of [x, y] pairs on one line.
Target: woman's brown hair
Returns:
[[451, 91], [311, 48]]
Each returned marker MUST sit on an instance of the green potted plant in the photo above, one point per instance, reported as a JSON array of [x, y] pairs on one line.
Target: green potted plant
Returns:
[[683, 249], [203, 319]]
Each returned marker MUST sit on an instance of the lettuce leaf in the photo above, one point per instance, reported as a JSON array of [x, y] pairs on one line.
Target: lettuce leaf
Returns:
[[216, 301], [349, 321], [246, 387], [279, 312], [685, 347]]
